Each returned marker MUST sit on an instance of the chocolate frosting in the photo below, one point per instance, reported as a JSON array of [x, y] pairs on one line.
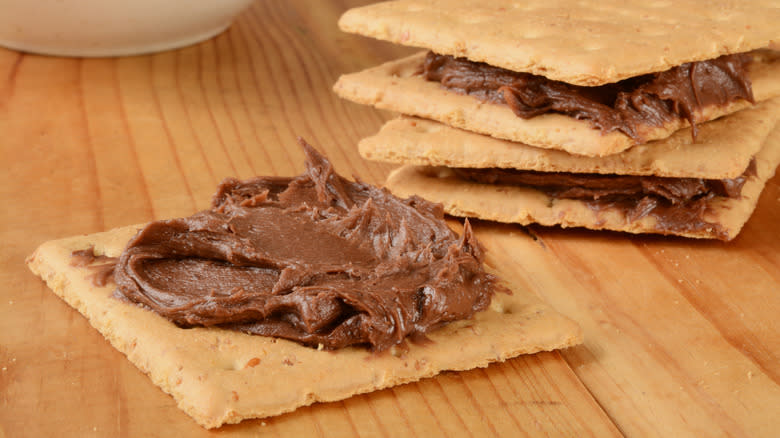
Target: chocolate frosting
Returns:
[[101, 266], [676, 191], [677, 204], [627, 106], [315, 258]]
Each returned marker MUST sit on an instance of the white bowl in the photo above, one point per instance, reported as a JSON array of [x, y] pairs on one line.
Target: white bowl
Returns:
[[112, 27]]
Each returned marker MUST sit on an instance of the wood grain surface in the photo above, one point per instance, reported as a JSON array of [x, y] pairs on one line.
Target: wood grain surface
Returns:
[[682, 337]]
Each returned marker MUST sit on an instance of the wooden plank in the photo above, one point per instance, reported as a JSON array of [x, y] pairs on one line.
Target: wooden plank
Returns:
[[98, 143], [682, 337]]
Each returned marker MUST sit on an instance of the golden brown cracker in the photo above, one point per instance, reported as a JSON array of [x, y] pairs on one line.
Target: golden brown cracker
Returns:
[[583, 42], [396, 86], [723, 148], [219, 376], [522, 205]]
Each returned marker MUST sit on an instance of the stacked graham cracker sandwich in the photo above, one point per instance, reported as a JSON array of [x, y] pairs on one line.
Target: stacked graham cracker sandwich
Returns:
[[644, 117]]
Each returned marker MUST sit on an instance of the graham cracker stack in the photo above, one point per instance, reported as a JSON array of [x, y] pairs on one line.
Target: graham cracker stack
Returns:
[[629, 116]]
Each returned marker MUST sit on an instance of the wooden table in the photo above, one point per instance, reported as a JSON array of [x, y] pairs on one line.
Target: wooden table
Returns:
[[682, 337]]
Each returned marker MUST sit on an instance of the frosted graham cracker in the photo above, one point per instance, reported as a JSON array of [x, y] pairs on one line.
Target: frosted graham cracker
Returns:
[[398, 86], [522, 205], [220, 376]]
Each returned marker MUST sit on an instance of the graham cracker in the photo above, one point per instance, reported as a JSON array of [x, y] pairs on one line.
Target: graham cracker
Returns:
[[397, 86], [512, 204], [723, 148], [583, 42], [219, 376]]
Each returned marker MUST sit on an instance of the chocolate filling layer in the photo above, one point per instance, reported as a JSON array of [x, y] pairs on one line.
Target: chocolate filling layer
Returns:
[[677, 204], [315, 258], [626, 106], [102, 267]]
